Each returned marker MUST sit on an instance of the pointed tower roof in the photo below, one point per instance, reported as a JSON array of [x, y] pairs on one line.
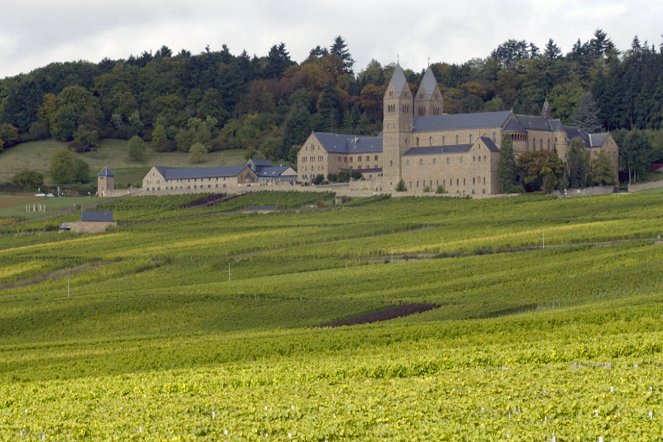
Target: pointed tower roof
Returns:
[[398, 80], [105, 172], [428, 83]]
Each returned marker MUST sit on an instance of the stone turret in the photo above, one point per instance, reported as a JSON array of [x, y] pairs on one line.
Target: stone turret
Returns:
[[105, 182], [397, 126], [428, 100]]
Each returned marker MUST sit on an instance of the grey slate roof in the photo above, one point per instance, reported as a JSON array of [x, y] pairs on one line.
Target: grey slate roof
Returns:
[[490, 144], [590, 140], [398, 80], [339, 143], [428, 83], [556, 125], [97, 216], [461, 121], [455, 148], [534, 122], [105, 172], [274, 171], [436, 150], [184, 173]]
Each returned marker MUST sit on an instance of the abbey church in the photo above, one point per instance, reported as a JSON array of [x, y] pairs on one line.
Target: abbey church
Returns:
[[426, 148]]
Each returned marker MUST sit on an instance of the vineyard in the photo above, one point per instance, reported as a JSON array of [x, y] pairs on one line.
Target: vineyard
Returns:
[[202, 322]]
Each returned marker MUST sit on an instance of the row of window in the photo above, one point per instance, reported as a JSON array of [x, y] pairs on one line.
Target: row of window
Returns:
[[188, 187], [422, 161], [312, 159], [457, 139], [449, 183], [359, 158]]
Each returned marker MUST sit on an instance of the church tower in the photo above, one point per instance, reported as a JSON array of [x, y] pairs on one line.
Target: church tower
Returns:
[[397, 127], [429, 100], [105, 182], [545, 110]]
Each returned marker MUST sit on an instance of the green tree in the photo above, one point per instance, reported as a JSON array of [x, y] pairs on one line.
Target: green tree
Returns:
[[67, 168], [340, 51], [634, 154], [586, 114], [160, 140], [9, 134], [84, 140], [540, 167], [400, 187], [76, 108], [603, 171], [197, 153], [319, 178], [136, 148], [578, 164], [507, 171], [28, 179]]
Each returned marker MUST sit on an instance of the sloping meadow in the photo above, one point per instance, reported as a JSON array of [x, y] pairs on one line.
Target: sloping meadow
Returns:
[[203, 322]]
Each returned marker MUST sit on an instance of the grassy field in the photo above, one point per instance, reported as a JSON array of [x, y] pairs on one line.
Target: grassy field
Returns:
[[202, 323], [112, 153], [15, 205]]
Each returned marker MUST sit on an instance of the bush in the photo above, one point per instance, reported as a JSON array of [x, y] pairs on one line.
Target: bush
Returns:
[[84, 140], [332, 177], [28, 179], [197, 153], [441, 189], [428, 189], [355, 175], [318, 179], [136, 148], [343, 176], [67, 168], [400, 187]]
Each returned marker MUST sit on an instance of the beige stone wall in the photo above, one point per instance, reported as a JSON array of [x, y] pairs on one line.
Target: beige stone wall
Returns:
[[155, 184], [312, 160], [105, 185], [91, 227], [473, 173]]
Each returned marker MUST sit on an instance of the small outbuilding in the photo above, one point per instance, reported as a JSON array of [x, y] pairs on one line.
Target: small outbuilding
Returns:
[[94, 222]]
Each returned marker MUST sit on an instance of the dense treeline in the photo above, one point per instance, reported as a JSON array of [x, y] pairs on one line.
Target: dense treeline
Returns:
[[269, 104]]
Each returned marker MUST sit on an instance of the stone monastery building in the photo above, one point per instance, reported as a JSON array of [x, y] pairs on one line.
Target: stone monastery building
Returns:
[[427, 148]]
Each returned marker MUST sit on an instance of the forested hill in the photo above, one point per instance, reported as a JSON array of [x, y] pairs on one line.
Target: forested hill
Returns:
[[269, 104]]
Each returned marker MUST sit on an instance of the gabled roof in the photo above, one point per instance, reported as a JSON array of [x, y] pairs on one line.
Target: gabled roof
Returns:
[[534, 122], [274, 171], [398, 80], [105, 172], [340, 143], [461, 121], [97, 216], [428, 83], [590, 140], [490, 144], [184, 173], [454, 148]]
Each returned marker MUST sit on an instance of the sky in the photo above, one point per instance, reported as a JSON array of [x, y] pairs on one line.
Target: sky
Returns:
[[35, 33]]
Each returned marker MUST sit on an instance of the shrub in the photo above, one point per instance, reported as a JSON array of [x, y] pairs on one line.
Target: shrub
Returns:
[[343, 176], [355, 175], [136, 148], [318, 179], [441, 189], [428, 189], [28, 179], [400, 187], [197, 153]]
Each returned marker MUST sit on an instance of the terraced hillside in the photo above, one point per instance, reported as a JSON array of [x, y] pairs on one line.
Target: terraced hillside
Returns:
[[203, 322]]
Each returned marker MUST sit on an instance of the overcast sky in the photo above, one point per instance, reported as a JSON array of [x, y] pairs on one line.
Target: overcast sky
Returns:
[[35, 33]]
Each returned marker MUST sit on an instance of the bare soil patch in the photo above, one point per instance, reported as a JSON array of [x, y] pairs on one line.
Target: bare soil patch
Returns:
[[382, 314]]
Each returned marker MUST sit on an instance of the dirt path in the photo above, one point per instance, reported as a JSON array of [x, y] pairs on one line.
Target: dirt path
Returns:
[[382, 314]]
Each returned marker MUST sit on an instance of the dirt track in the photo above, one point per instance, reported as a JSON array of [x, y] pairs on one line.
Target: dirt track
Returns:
[[382, 314]]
